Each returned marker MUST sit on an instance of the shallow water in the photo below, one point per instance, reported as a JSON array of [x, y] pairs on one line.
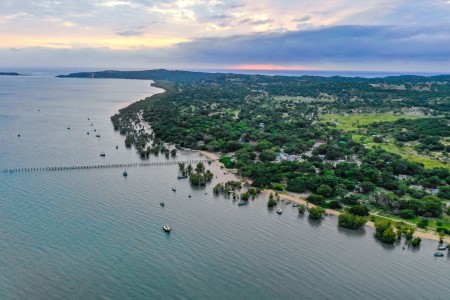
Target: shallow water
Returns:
[[89, 234]]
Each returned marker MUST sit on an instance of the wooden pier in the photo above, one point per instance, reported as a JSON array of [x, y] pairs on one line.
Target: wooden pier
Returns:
[[103, 166]]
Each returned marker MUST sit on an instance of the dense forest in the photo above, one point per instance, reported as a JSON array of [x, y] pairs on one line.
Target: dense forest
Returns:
[[270, 128]]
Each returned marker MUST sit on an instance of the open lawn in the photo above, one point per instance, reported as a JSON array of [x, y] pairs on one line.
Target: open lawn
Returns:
[[351, 122]]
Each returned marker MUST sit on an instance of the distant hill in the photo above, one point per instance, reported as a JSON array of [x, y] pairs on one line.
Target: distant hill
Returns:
[[9, 74], [160, 74]]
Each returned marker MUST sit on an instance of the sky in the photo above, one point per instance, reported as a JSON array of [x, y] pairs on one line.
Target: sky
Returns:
[[369, 35]]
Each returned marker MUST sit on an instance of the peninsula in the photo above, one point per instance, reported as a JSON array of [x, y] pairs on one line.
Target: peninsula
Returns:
[[378, 144]]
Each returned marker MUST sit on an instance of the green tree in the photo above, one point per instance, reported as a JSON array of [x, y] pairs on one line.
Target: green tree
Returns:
[[351, 221], [316, 212], [423, 223], [359, 210], [325, 190], [316, 199]]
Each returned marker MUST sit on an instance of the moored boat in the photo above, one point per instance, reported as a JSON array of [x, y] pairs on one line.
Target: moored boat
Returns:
[[242, 203], [438, 254], [102, 154], [295, 205], [443, 247], [182, 177], [174, 189], [167, 228], [125, 173], [279, 211], [161, 203]]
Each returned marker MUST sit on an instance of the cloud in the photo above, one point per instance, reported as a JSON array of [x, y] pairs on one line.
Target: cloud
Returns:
[[419, 48], [301, 20], [425, 46], [129, 33], [117, 3]]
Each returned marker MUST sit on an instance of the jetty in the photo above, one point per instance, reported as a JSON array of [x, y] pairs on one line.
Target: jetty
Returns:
[[103, 166]]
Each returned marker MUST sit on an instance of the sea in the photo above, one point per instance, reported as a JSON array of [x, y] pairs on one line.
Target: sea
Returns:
[[95, 234]]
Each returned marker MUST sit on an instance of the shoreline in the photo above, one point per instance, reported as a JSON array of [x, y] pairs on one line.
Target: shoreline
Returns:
[[297, 198], [432, 236]]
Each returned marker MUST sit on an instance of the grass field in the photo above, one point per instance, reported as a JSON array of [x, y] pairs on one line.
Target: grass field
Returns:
[[350, 123]]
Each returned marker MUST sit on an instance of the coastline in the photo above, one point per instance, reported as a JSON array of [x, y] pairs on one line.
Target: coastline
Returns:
[[298, 198]]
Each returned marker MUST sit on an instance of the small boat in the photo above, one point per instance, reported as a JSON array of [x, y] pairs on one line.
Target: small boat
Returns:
[[103, 154], [68, 127], [182, 177], [117, 147], [125, 173], [443, 247], [88, 119], [162, 204], [167, 228], [438, 254], [87, 132], [18, 135], [295, 205], [97, 135], [189, 196], [279, 211], [288, 202], [242, 203], [174, 189], [95, 129]]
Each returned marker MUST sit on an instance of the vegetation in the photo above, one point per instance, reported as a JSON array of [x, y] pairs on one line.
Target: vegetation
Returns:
[[380, 142], [351, 221], [384, 232], [316, 212]]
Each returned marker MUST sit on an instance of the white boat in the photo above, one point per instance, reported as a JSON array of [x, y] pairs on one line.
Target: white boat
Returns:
[[279, 211], [443, 247], [174, 189], [167, 228]]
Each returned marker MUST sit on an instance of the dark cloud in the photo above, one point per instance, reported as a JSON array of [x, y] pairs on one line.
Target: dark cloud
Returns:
[[255, 22], [129, 33], [339, 44]]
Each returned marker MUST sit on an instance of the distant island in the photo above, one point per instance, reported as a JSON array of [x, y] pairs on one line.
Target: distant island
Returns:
[[376, 148], [159, 74], [9, 74]]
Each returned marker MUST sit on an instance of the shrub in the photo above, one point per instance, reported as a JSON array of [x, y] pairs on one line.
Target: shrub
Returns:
[[271, 203], [277, 186], [334, 204], [316, 212], [325, 190], [415, 242], [359, 210], [384, 232], [351, 221], [423, 223], [407, 214], [316, 199], [350, 200]]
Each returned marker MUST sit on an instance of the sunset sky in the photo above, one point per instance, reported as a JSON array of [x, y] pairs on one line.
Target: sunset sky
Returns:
[[386, 35]]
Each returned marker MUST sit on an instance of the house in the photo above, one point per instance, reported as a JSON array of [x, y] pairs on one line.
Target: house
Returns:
[[319, 143]]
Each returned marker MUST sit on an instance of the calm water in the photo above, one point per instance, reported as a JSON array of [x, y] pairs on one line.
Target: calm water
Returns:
[[89, 234]]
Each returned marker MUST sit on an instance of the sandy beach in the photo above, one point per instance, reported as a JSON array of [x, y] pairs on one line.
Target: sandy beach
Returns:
[[300, 198]]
